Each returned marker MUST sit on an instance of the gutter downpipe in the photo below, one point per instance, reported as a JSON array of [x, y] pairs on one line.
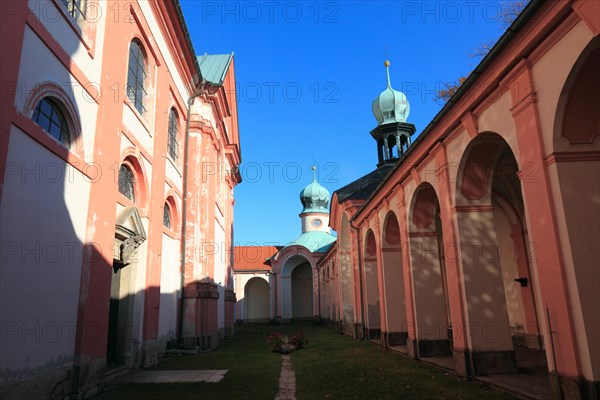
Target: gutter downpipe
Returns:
[[190, 102], [319, 291], [360, 280]]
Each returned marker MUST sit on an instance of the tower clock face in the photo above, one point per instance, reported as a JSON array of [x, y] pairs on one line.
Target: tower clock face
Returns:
[[316, 223]]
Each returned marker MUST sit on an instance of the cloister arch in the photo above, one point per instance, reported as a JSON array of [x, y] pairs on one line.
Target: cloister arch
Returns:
[[346, 275], [257, 294], [297, 289], [576, 165], [373, 320], [302, 292], [432, 316], [499, 287], [393, 281]]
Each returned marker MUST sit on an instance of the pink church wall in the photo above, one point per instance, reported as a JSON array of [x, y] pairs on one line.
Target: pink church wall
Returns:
[[87, 56], [518, 105]]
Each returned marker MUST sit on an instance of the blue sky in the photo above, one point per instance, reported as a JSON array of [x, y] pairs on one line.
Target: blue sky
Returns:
[[307, 73]]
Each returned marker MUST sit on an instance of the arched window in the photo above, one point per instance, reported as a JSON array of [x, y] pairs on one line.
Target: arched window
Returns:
[[126, 182], [167, 216], [50, 117], [136, 76], [172, 145]]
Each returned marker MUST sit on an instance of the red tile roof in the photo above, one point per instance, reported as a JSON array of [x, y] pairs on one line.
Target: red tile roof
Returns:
[[253, 258]]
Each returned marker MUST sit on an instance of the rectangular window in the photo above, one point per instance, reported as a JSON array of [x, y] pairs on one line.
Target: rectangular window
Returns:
[[75, 8]]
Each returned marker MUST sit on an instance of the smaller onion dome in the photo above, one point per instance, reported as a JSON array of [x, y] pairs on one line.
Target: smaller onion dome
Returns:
[[314, 197], [390, 105]]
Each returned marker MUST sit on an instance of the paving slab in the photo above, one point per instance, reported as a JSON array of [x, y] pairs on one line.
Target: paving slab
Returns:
[[287, 380], [172, 376], [528, 385]]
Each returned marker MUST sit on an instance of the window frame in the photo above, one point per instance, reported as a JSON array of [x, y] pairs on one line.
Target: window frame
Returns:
[[167, 213], [137, 64], [56, 108], [172, 135], [134, 193]]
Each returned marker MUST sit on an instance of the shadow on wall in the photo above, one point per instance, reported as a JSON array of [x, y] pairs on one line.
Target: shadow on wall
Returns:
[[43, 213], [200, 324], [43, 200], [44, 220], [256, 302]]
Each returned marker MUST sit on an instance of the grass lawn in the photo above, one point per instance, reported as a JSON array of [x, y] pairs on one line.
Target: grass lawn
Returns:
[[253, 372], [335, 366], [332, 366]]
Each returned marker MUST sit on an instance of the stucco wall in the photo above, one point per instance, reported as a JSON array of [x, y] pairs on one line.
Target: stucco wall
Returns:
[[44, 220]]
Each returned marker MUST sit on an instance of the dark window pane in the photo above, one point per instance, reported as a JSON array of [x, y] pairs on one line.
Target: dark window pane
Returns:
[[172, 145], [46, 106], [65, 136], [76, 8], [50, 117], [126, 182], [167, 216], [136, 76], [43, 121], [55, 131]]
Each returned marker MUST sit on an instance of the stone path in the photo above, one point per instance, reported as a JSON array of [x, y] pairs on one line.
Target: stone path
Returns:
[[173, 376], [287, 380]]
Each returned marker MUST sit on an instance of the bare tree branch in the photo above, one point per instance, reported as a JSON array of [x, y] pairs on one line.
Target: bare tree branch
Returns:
[[510, 10]]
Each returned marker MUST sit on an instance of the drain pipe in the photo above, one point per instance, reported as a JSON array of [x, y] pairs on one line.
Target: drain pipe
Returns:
[[550, 335], [190, 102], [319, 292]]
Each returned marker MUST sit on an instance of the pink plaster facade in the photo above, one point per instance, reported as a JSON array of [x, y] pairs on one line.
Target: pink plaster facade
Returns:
[[73, 245], [503, 185]]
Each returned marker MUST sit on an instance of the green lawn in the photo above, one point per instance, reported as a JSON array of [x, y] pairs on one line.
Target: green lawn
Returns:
[[332, 366], [253, 372], [335, 366]]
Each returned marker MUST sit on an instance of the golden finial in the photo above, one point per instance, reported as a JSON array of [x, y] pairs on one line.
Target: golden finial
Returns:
[[386, 63]]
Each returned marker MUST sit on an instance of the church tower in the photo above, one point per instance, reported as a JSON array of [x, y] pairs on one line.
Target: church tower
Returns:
[[392, 133], [315, 201]]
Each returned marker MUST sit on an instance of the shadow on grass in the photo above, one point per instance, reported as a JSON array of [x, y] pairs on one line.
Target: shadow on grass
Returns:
[[253, 372]]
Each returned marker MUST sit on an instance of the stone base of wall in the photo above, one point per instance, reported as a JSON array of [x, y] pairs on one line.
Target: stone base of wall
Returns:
[[470, 363], [348, 327], [591, 389], [428, 348], [152, 350], [229, 332], [494, 362], [373, 333], [532, 342], [209, 341], [189, 342], [566, 387], [359, 331], [339, 325], [396, 338]]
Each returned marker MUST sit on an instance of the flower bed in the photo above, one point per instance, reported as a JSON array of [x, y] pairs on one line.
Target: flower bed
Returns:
[[282, 344]]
